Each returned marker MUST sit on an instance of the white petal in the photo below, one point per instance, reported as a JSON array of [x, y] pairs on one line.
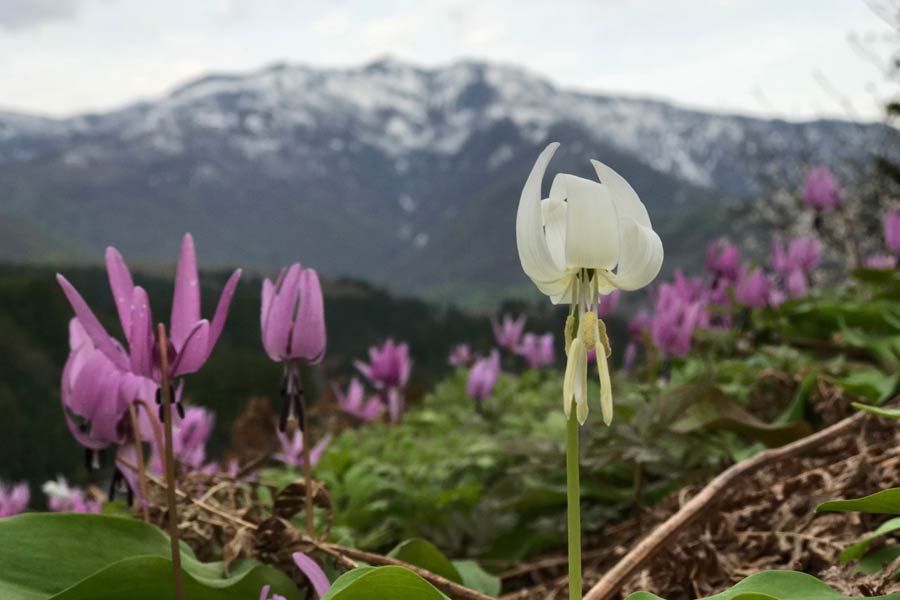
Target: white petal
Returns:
[[537, 262], [627, 202], [553, 211], [592, 236], [564, 296], [641, 259]]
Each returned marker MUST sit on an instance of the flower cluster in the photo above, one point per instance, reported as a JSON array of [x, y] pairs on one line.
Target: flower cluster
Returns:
[[13, 499]]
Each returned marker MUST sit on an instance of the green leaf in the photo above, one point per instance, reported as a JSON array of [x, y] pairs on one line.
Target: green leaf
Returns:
[[859, 548], [717, 410], [476, 578], [382, 583], [43, 556], [890, 413], [425, 555], [871, 384], [885, 502], [774, 585], [875, 561]]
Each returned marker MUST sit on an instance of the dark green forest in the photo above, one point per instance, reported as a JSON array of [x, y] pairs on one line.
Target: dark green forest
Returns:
[[34, 314]]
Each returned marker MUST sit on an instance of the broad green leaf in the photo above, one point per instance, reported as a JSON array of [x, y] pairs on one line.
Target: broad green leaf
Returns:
[[382, 583], [774, 585], [476, 578], [875, 561], [859, 548], [889, 413], [425, 555], [885, 502], [719, 411], [797, 408], [871, 384], [69, 556], [150, 578]]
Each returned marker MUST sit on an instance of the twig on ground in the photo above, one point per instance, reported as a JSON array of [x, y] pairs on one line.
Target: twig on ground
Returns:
[[700, 504]]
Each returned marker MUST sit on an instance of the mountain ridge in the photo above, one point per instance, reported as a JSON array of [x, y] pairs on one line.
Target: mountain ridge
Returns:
[[363, 171]]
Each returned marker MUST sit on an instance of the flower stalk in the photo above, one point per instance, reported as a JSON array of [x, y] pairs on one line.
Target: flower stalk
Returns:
[[307, 461], [573, 499], [166, 391]]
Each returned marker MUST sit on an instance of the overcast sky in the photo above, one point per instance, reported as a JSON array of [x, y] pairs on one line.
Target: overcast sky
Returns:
[[790, 58]]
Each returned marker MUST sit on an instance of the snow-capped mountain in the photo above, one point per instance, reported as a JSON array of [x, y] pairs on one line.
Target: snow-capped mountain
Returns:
[[378, 171]]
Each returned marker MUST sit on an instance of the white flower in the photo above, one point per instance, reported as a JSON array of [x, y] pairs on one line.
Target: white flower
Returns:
[[587, 239]]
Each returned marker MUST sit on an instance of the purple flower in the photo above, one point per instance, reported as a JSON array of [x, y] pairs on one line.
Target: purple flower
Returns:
[[313, 573], [191, 338], [723, 261], [881, 261], [821, 191], [191, 435], [802, 254], [892, 231], [483, 376], [354, 402], [13, 499], [460, 356], [674, 320], [264, 594], [687, 289], [509, 331], [293, 316], [795, 264], [292, 320], [291, 452], [607, 304], [64, 498], [388, 370], [388, 366], [537, 349], [638, 326], [753, 288], [96, 392]]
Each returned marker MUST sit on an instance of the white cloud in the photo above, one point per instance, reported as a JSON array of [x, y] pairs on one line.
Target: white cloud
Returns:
[[23, 14], [744, 55]]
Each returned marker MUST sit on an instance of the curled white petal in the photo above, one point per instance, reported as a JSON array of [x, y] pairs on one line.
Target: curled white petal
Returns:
[[534, 254], [641, 259], [627, 202]]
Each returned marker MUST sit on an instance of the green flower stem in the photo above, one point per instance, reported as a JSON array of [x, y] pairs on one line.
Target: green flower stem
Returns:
[[573, 494]]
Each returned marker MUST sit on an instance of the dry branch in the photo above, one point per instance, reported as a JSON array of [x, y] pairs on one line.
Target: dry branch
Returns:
[[700, 504]]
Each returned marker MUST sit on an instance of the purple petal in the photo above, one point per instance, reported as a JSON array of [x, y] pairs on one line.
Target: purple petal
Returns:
[[186, 301], [121, 284], [308, 338], [81, 437], [313, 572], [268, 292], [128, 453], [106, 416], [77, 335], [194, 352], [218, 320], [141, 335], [92, 326], [315, 455], [83, 401], [277, 329]]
